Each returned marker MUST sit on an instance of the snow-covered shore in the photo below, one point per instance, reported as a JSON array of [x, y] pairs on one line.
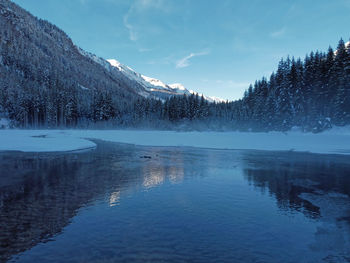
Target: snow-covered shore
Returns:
[[41, 141], [331, 142]]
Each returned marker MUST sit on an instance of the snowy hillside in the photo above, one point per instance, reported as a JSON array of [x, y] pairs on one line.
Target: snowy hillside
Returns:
[[150, 84]]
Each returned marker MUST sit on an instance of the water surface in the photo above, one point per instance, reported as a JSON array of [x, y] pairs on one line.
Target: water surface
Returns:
[[121, 203]]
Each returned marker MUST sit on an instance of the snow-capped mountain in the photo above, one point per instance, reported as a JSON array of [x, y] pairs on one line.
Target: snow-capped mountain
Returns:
[[155, 87], [152, 87], [149, 84]]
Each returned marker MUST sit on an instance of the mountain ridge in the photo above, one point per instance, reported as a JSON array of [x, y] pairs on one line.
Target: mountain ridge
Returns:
[[153, 88], [154, 85]]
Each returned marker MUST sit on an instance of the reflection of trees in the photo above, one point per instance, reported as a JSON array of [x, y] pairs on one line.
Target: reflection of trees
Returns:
[[279, 183], [38, 207], [289, 175], [40, 194], [51, 191]]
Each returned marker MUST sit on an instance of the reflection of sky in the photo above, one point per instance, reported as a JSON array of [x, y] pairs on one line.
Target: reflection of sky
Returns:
[[153, 177], [114, 198], [158, 171]]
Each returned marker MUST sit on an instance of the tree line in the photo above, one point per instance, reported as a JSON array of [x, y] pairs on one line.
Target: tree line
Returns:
[[313, 94]]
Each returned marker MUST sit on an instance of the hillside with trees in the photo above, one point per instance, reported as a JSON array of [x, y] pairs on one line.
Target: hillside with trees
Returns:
[[46, 81], [313, 94]]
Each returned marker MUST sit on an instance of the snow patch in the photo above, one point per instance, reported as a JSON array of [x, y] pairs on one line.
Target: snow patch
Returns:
[[82, 87], [41, 141], [155, 82], [177, 86]]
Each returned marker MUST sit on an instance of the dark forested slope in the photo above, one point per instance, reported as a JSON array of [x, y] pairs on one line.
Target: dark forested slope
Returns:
[[44, 78]]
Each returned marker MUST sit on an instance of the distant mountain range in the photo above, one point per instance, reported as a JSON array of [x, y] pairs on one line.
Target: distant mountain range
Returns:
[[155, 87], [151, 87]]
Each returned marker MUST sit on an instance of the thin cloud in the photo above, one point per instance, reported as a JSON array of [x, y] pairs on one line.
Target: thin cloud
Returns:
[[185, 62], [136, 9], [132, 32], [278, 33]]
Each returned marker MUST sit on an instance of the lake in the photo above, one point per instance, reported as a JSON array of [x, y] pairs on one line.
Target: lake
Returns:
[[124, 203]]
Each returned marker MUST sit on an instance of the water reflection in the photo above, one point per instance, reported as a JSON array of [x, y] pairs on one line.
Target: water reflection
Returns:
[[316, 185], [157, 172], [289, 176], [40, 194], [48, 190], [114, 198]]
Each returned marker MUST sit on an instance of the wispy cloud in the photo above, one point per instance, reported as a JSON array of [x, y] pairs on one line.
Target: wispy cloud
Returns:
[[278, 33], [138, 8], [185, 62], [132, 32]]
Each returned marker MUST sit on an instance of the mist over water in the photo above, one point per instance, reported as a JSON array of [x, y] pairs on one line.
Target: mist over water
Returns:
[[122, 203]]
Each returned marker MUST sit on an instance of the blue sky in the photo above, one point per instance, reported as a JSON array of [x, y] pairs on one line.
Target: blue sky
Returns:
[[213, 47]]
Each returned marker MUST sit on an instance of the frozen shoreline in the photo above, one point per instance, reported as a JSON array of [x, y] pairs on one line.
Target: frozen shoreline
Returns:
[[336, 141]]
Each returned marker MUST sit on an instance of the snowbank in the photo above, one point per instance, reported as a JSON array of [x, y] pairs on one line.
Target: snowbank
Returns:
[[41, 141], [332, 142]]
